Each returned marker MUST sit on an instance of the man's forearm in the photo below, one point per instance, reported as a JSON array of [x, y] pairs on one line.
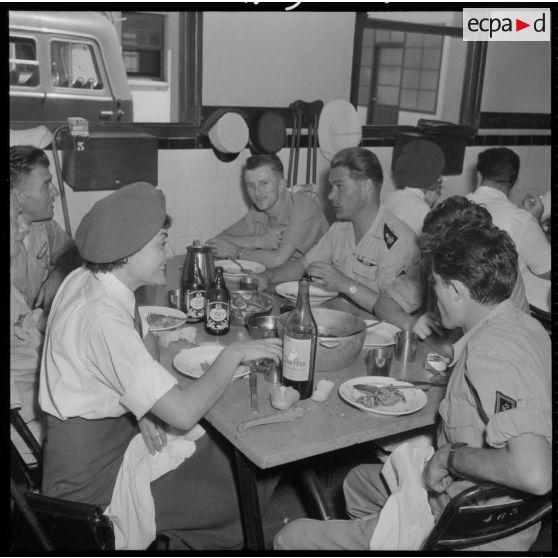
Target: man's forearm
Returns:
[[364, 296], [289, 271], [524, 464], [247, 241], [388, 309]]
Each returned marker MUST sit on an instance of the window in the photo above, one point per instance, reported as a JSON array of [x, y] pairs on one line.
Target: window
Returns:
[[406, 68], [143, 43], [73, 64], [24, 65]]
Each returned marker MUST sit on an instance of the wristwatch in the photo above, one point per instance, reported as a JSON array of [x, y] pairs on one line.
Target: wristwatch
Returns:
[[353, 288], [453, 448]]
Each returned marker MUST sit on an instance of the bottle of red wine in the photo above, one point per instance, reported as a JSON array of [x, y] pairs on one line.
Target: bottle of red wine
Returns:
[[217, 306], [300, 337], [194, 293]]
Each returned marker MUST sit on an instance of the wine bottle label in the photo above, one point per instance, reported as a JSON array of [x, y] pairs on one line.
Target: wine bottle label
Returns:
[[217, 315], [194, 302], [296, 358]]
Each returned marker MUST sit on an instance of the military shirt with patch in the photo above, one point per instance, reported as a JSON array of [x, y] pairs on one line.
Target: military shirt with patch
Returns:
[[387, 251]]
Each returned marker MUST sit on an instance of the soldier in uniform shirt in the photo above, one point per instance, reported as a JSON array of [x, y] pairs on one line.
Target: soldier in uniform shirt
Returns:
[[367, 248]]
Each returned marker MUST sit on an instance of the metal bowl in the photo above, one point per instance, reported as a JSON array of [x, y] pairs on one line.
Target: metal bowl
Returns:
[[260, 327], [245, 304], [336, 350]]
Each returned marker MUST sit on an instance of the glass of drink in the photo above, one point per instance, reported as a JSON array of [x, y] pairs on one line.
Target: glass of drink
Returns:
[[174, 297], [379, 361], [248, 283], [406, 346]]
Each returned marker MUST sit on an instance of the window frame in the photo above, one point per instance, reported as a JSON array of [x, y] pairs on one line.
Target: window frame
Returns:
[[473, 76], [37, 61]]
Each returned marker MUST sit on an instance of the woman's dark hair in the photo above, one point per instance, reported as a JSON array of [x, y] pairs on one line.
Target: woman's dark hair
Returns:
[[110, 266], [479, 255], [361, 163]]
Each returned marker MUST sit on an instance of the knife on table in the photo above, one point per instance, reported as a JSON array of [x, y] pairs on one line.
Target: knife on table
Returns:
[[284, 416]]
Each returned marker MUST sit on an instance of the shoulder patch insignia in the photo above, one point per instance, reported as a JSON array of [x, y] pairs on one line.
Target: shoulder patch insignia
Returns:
[[389, 238], [504, 403]]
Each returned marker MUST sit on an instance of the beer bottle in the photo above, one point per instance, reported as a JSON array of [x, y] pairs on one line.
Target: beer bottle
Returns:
[[194, 293], [299, 344], [217, 306]]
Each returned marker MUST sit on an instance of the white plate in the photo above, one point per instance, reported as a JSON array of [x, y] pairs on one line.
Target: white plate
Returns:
[[230, 269], [317, 295], [415, 399], [163, 310], [381, 335], [188, 361]]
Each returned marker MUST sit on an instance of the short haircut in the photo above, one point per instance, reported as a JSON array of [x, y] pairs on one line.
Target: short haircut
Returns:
[[265, 160], [361, 163], [479, 255], [110, 266], [23, 159], [499, 164], [448, 211]]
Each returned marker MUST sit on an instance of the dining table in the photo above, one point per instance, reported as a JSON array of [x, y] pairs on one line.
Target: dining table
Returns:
[[323, 427]]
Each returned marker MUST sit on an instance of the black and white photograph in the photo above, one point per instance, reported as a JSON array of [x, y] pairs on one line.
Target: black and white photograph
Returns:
[[280, 278]]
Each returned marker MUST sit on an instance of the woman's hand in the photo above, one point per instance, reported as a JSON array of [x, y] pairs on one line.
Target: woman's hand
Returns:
[[260, 348], [153, 432]]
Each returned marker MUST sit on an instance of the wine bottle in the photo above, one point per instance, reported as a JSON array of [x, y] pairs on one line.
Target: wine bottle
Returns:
[[299, 344], [194, 293], [217, 306]]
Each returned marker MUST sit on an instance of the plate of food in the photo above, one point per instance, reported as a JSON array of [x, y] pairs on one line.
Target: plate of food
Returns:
[[380, 335], [383, 396], [230, 269], [318, 295], [189, 361], [161, 318]]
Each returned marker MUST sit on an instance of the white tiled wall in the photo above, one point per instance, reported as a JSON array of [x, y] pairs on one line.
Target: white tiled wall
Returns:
[[204, 195]]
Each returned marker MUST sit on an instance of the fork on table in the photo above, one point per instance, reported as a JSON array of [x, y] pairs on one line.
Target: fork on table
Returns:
[[204, 366]]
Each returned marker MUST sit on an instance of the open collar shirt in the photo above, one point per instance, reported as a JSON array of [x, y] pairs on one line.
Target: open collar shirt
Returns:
[[94, 363], [388, 251], [409, 204]]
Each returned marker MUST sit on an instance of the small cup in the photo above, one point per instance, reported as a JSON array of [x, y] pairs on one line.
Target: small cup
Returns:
[[174, 298], [271, 371], [249, 283], [406, 346], [379, 361]]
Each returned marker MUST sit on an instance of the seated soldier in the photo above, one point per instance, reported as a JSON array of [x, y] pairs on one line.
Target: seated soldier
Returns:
[[496, 422], [279, 226], [362, 253], [26, 341], [99, 384], [455, 208], [46, 242], [417, 173]]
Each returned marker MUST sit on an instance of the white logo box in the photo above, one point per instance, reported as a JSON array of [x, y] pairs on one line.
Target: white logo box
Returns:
[[502, 25]]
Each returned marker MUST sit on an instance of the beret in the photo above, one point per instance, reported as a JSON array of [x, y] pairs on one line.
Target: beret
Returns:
[[419, 164], [121, 224]]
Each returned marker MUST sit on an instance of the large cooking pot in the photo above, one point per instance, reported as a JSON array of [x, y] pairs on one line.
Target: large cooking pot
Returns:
[[341, 337]]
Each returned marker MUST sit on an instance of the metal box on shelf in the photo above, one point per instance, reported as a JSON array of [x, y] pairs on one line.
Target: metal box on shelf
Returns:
[[109, 160]]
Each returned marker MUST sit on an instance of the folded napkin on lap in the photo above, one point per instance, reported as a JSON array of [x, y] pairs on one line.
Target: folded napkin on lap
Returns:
[[406, 518]]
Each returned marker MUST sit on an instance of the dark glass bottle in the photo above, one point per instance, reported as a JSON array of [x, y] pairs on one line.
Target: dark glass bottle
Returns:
[[299, 344], [217, 306], [194, 293]]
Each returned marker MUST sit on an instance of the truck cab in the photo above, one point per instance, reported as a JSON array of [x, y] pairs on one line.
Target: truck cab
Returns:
[[66, 64]]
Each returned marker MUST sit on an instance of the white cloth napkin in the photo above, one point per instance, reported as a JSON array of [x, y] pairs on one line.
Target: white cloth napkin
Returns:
[[131, 508], [406, 518]]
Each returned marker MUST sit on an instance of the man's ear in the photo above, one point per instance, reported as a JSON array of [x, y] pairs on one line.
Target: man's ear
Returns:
[[459, 289], [282, 184], [20, 197]]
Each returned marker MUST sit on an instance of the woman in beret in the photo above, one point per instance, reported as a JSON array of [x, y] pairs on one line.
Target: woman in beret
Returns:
[[99, 382]]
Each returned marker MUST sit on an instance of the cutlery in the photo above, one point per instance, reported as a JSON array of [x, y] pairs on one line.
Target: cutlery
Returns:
[[371, 388], [205, 366], [242, 268], [284, 416], [253, 380]]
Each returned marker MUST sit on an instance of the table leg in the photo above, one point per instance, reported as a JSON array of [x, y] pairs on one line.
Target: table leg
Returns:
[[249, 503]]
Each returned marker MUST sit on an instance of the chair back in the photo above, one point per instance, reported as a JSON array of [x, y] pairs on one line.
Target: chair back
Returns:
[[470, 519]]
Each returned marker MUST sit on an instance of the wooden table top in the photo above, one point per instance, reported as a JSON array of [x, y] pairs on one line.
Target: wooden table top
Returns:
[[326, 426]]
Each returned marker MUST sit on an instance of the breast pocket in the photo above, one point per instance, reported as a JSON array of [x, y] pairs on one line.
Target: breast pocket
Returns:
[[461, 423], [366, 265]]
